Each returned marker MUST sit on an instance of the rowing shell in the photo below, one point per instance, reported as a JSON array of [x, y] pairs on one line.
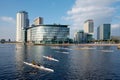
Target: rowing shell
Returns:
[[39, 67], [50, 58]]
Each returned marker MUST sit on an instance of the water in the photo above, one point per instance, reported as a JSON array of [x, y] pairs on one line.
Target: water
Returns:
[[97, 63]]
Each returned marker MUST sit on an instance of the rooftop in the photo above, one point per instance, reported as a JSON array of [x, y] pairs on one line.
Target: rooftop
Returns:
[[53, 25], [89, 20]]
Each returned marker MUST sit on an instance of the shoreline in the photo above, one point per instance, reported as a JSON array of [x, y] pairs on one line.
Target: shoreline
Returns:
[[108, 44], [78, 44]]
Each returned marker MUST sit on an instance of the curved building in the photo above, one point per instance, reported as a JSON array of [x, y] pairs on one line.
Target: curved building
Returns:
[[47, 33]]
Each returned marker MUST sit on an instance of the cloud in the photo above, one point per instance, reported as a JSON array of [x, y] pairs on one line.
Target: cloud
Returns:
[[115, 29], [117, 17], [101, 11], [7, 19], [115, 26]]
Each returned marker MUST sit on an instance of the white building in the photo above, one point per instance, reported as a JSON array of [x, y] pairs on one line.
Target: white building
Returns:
[[89, 27], [21, 24], [38, 21]]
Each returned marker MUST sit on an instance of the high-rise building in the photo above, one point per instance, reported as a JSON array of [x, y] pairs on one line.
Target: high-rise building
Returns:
[[79, 37], [104, 32], [38, 21], [89, 26], [21, 25]]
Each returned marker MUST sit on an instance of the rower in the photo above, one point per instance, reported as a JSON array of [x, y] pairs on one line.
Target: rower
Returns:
[[33, 62], [39, 64], [50, 56]]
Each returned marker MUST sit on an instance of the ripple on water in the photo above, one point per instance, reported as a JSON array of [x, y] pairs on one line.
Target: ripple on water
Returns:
[[77, 65]]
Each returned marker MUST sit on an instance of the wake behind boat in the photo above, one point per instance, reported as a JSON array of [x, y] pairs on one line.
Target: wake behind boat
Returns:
[[50, 58], [85, 48], [65, 48], [61, 48], [65, 52], [56, 47], [107, 50], [62, 52], [39, 67]]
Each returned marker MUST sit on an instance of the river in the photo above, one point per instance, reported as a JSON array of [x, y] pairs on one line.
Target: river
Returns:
[[75, 62]]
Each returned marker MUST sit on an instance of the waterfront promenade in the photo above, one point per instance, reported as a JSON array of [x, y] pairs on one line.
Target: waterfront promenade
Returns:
[[85, 44]]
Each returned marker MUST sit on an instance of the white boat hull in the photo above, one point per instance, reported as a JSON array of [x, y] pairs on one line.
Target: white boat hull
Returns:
[[49, 58], [39, 67]]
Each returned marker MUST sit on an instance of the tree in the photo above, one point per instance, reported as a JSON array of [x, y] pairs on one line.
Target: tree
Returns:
[[9, 40], [2, 41]]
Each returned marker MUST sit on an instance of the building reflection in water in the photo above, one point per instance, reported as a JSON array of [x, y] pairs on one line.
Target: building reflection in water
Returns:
[[36, 53], [28, 53], [21, 55]]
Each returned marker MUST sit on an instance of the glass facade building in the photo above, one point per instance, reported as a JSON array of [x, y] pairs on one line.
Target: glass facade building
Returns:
[[79, 37], [104, 32], [47, 33], [82, 37]]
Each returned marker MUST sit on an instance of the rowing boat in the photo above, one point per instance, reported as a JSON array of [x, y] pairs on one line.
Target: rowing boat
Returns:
[[50, 58], [39, 67]]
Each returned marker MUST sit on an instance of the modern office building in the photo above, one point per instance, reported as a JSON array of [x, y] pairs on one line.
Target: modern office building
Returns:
[[82, 37], [89, 26], [88, 37], [104, 32], [38, 21], [38, 32], [42, 34], [79, 37], [22, 24]]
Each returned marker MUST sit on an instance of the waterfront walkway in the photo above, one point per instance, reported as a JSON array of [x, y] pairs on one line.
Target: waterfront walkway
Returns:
[[87, 44], [80, 44]]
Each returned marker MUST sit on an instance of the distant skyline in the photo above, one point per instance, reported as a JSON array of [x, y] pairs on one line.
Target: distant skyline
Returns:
[[70, 12]]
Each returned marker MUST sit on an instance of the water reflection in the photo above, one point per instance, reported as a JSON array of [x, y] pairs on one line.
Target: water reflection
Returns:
[[92, 64], [87, 64], [21, 51], [27, 54]]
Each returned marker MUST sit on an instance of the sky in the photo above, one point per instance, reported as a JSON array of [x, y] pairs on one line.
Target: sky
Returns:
[[69, 12]]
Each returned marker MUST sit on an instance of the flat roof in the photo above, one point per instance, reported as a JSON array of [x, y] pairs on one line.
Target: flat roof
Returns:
[[23, 12], [53, 25], [89, 20]]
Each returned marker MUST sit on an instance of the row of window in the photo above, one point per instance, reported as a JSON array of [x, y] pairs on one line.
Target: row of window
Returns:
[[47, 33]]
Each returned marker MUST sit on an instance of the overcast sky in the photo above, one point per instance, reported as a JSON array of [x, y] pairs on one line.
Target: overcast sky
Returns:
[[70, 12]]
